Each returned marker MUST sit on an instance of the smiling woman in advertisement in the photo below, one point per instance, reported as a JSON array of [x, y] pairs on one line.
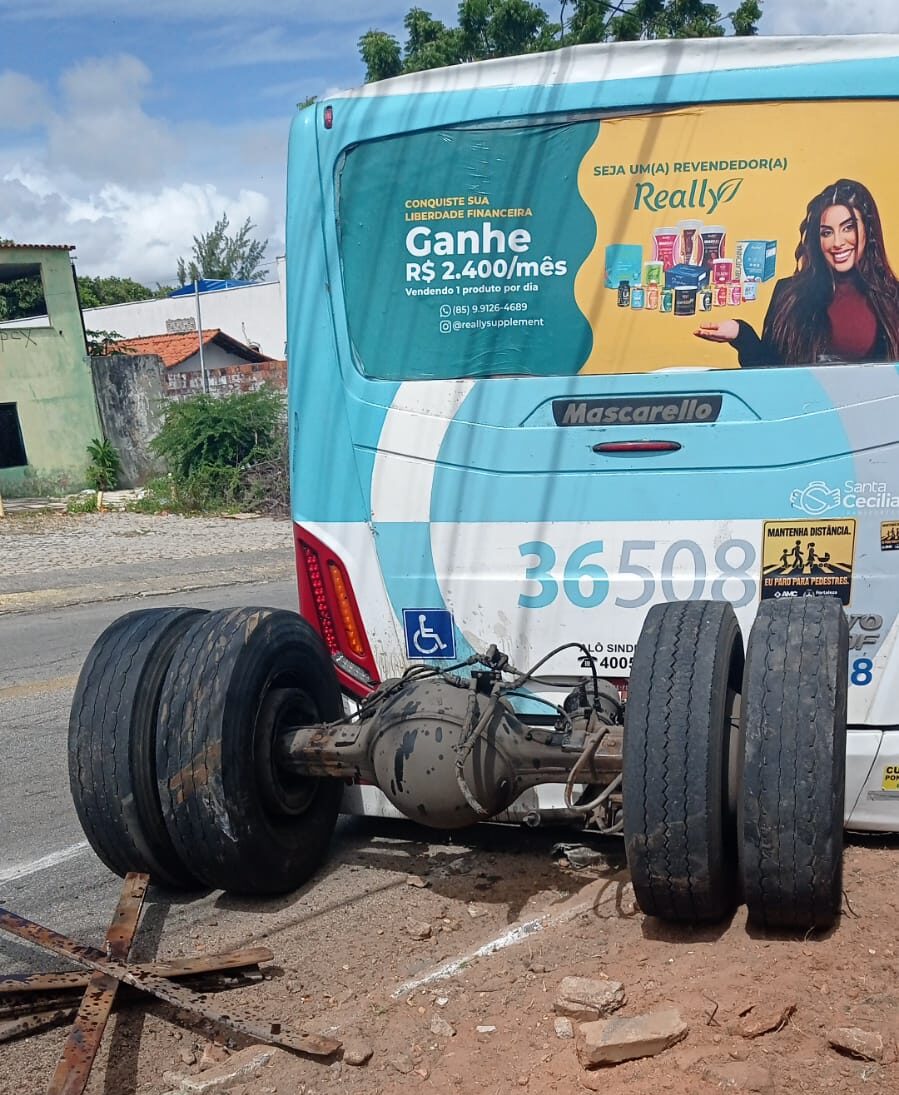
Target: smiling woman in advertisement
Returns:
[[841, 304]]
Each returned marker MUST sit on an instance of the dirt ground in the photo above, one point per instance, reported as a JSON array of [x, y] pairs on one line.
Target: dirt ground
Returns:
[[381, 951], [382, 948]]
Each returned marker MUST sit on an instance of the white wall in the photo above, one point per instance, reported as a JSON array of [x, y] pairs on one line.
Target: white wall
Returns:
[[214, 357], [252, 313]]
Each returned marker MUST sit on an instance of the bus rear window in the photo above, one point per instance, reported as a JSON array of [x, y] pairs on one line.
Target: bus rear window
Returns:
[[456, 249], [715, 237]]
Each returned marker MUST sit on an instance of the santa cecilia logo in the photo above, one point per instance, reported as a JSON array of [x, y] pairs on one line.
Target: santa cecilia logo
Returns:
[[818, 497]]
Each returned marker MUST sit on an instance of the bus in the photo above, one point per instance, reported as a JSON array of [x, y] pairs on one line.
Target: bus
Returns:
[[515, 419], [592, 406]]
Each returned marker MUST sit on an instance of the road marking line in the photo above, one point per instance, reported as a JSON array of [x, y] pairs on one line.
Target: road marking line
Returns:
[[36, 688], [507, 939], [585, 902], [23, 870]]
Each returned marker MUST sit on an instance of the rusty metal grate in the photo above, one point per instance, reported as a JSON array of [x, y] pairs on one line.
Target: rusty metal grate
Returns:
[[31, 1003]]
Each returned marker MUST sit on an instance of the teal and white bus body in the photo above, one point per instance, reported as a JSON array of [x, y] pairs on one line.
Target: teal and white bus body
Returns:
[[495, 440]]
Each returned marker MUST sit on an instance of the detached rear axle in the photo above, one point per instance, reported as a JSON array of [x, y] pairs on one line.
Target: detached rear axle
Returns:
[[212, 749], [447, 754]]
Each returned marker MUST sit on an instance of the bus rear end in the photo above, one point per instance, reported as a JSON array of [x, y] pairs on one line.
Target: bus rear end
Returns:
[[579, 334]]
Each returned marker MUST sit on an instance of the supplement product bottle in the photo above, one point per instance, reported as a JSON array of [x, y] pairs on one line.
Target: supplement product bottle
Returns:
[[664, 247], [624, 294], [667, 300], [685, 302], [638, 297], [712, 236], [690, 242]]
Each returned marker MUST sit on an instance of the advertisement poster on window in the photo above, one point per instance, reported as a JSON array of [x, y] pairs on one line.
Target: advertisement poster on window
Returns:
[[727, 236]]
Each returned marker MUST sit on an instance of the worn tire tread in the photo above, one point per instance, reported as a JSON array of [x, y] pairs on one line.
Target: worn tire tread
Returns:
[[205, 784], [681, 858], [793, 770], [111, 730]]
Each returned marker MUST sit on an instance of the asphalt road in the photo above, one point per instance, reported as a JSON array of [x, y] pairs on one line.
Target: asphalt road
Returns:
[[47, 871]]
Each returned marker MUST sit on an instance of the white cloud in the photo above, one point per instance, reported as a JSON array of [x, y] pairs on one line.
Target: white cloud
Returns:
[[270, 46], [101, 130], [23, 102], [129, 189], [129, 232], [830, 17]]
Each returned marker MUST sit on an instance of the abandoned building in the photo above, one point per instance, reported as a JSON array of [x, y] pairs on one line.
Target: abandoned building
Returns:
[[48, 410]]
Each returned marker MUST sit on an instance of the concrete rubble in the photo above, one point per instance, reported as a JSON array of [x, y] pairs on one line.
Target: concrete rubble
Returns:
[[585, 998], [761, 1021], [866, 1044], [610, 1041], [237, 1069], [442, 1028], [563, 1027]]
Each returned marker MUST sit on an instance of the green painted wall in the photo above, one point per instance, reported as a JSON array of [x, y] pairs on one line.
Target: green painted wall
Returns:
[[46, 372]]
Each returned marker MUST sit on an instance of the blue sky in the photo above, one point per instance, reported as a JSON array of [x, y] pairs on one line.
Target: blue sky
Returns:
[[126, 127]]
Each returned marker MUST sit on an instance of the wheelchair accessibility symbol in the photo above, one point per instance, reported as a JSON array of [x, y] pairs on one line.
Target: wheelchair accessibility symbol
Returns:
[[429, 633]]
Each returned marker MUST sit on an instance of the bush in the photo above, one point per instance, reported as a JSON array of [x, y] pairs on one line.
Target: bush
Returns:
[[105, 466], [85, 502], [225, 453]]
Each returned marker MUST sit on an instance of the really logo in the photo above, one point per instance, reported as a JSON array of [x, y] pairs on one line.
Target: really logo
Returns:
[[700, 194]]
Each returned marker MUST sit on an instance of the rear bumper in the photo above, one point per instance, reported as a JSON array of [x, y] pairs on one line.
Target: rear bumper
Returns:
[[872, 756]]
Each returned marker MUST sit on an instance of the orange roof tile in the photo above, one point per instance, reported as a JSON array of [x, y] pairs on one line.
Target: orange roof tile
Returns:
[[175, 348]]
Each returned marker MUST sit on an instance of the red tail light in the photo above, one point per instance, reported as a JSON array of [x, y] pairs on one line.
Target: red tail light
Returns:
[[327, 601]]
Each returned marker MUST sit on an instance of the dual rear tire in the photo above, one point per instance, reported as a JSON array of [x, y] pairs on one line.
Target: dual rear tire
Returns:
[[734, 775], [172, 748]]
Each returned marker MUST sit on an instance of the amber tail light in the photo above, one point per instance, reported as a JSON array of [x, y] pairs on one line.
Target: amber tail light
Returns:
[[328, 603]]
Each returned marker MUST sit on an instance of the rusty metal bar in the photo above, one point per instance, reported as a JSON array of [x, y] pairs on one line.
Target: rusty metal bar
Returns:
[[28, 1024], [313, 1045], [77, 1058], [14, 985], [11, 1007]]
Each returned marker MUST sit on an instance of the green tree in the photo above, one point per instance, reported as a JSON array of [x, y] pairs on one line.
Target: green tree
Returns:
[[381, 55], [672, 19], [589, 21], [645, 19], [97, 292], [487, 28], [506, 28], [218, 255], [429, 43], [22, 298], [746, 18]]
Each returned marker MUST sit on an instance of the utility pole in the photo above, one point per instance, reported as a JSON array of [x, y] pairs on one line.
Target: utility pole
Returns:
[[200, 337]]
